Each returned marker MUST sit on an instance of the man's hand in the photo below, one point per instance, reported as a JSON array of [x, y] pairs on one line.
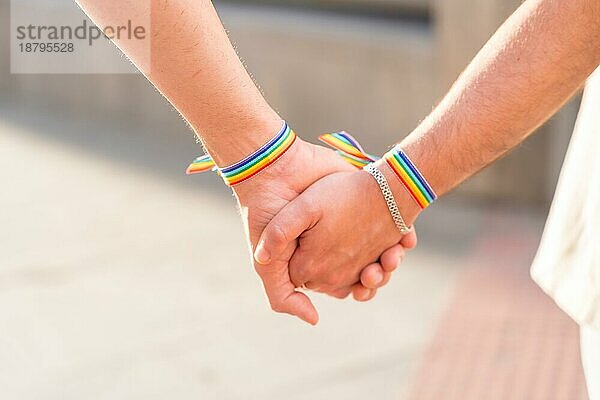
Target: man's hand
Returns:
[[341, 223], [263, 196], [226, 109]]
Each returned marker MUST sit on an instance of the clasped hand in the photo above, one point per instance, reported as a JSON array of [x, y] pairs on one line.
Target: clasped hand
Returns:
[[314, 221]]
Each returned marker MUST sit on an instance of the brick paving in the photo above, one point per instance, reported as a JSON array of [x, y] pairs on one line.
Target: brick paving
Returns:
[[501, 336]]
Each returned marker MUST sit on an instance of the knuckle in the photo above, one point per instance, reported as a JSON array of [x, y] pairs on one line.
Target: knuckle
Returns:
[[309, 207], [300, 270], [277, 306], [277, 235]]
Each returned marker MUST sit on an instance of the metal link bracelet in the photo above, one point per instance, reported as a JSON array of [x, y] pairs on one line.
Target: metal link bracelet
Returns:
[[389, 197]]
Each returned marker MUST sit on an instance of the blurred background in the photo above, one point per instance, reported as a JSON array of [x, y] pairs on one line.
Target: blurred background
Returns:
[[122, 278]]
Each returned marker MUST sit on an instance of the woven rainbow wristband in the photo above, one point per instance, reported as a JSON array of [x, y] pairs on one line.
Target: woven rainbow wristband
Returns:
[[251, 165], [410, 177]]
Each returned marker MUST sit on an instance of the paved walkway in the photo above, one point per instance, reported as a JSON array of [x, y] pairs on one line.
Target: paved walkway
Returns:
[[116, 282], [501, 337]]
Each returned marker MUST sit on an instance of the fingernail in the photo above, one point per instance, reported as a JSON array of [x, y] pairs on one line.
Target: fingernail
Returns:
[[261, 255], [400, 261]]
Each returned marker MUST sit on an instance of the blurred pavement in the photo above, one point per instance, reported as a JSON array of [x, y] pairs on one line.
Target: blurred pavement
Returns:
[[121, 278]]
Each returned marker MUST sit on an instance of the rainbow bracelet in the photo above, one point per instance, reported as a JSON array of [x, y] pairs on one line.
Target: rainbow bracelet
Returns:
[[411, 178], [349, 148], [251, 165], [346, 146]]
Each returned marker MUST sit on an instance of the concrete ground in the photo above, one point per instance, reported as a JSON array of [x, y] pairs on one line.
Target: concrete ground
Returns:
[[121, 278]]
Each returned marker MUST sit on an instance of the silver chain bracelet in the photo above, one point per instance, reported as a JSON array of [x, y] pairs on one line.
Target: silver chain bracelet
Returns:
[[389, 197]]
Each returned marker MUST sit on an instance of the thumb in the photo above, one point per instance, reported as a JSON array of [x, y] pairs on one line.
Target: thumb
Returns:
[[282, 293], [283, 230], [275, 246]]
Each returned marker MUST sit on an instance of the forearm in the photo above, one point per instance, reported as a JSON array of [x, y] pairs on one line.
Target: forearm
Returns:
[[530, 67], [195, 67]]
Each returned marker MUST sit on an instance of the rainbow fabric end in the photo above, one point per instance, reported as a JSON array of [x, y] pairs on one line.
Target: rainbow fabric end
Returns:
[[201, 164], [348, 148]]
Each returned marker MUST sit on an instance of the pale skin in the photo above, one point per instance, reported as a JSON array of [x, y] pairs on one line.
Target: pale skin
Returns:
[[533, 64], [195, 67]]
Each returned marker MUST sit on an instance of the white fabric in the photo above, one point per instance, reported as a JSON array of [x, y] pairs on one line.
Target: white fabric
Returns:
[[590, 358], [567, 265]]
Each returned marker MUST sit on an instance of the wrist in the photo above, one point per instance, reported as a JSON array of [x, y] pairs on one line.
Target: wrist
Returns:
[[237, 139], [279, 178], [409, 209]]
